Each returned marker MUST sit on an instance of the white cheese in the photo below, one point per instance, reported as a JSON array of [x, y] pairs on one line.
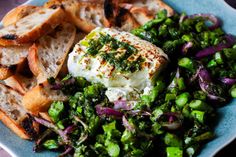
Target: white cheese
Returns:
[[121, 85]]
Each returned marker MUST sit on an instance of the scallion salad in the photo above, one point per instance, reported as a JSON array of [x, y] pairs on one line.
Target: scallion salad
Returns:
[[175, 120]]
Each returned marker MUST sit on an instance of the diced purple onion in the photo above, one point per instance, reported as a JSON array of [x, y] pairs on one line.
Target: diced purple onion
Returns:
[[210, 17], [186, 47], [127, 125], [122, 105], [228, 81], [107, 111], [170, 120], [230, 41]]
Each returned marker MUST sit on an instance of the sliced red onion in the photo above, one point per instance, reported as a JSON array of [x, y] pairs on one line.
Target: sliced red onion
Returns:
[[171, 120], [59, 85], [230, 41], [139, 112], [66, 152], [228, 81], [38, 142], [182, 18], [127, 125], [195, 76], [207, 86], [69, 129], [173, 83], [204, 75], [101, 111], [54, 128], [122, 105], [186, 47], [210, 17], [81, 122]]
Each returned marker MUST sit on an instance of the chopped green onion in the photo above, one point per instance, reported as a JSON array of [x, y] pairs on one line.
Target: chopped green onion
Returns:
[[200, 95], [170, 96], [51, 144], [182, 99], [113, 149], [218, 58], [199, 105], [211, 64], [56, 110], [186, 63], [233, 91], [181, 84], [172, 140], [174, 152], [199, 115]]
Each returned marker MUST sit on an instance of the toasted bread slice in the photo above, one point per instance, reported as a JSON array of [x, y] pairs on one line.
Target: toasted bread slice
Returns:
[[40, 98], [86, 15], [118, 16], [31, 27], [13, 126], [6, 72], [48, 55], [18, 13], [12, 59], [145, 10], [20, 83], [125, 21], [11, 112]]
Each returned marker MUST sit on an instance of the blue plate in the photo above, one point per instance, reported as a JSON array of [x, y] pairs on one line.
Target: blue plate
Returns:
[[226, 126]]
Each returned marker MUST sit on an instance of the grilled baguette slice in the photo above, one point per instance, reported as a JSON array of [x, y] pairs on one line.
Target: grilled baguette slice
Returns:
[[40, 98], [18, 13], [31, 27], [86, 15], [12, 59], [11, 112], [48, 55], [20, 83], [145, 10]]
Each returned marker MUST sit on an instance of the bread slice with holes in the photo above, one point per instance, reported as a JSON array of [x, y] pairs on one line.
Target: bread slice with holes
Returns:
[[145, 10], [31, 27], [21, 83], [12, 114], [47, 56], [12, 59], [18, 13], [86, 15], [40, 98]]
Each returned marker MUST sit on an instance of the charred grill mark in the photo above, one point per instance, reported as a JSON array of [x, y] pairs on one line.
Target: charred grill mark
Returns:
[[27, 125], [120, 17], [9, 37], [108, 9], [54, 6]]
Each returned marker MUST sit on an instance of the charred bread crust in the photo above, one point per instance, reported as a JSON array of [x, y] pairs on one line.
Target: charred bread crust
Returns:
[[45, 27], [13, 126], [6, 71], [18, 13]]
